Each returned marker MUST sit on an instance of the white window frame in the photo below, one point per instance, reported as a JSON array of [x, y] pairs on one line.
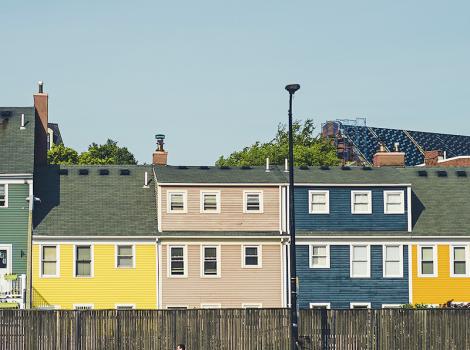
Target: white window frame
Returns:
[[92, 263], [402, 205], [218, 260], [435, 266], [9, 249], [76, 306], [217, 201], [326, 305], [352, 305], [252, 305], [260, 255], [211, 306], [116, 251], [391, 306], [384, 253], [6, 196], [116, 306], [351, 247], [185, 260], [452, 259], [261, 202], [369, 207], [327, 202], [57, 263], [310, 251], [185, 201]]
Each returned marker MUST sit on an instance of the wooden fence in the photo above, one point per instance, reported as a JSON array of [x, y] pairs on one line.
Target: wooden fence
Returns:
[[228, 329]]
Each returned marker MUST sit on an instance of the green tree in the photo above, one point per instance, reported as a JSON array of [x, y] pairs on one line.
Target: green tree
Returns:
[[108, 153], [59, 154], [308, 149]]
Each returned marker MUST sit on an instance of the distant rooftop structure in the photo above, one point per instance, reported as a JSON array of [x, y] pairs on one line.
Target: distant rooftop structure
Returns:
[[357, 143]]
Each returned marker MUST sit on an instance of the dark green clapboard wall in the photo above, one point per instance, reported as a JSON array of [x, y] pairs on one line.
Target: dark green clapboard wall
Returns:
[[14, 224]]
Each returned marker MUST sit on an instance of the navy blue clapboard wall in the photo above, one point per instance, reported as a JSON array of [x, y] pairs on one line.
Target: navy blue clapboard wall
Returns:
[[334, 285], [341, 218]]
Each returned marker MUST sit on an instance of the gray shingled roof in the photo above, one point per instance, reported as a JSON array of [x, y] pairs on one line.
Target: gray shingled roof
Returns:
[[16, 145], [94, 204]]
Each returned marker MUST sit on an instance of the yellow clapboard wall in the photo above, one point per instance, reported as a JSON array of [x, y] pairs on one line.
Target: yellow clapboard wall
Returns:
[[108, 286], [440, 289]]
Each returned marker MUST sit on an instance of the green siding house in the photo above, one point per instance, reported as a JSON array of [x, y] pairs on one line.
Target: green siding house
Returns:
[[17, 135]]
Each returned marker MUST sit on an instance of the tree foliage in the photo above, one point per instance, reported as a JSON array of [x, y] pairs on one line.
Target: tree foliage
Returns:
[[308, 149], [107, 153]]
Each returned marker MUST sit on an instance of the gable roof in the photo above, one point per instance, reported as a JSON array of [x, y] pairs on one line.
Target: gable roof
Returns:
[[16, 145], [94, 204]]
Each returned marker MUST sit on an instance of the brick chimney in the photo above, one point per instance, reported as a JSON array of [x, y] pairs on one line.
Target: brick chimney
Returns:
[[431, 158], [41, 101], [384, 158], [160, 156]]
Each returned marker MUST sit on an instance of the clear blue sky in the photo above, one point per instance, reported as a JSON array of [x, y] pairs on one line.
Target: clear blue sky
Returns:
[[211, 74]]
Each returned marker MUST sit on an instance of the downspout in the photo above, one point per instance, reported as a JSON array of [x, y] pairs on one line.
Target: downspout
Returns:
[[29, 253]]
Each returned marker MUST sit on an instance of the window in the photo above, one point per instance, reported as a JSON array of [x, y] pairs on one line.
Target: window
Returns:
[[360, 305], [211, 306], [177, 202], [177, 265], [125, 256], [210, 202], [427, 261], [319, 256], [210, 261], [394, 202], [252, 306], [3, 196], [392, 261], [83, 307], [459, 261], [251, 256], [319, 202], [361, 202], [360, 261], [321, 306], [125, 307], [49, 258], [253, 202], [83, 261]]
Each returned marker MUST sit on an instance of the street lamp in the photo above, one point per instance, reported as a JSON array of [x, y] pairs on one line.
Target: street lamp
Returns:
[[294, 330]]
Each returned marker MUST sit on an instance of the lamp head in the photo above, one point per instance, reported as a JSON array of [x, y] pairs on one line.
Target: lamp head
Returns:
[[292, 88]]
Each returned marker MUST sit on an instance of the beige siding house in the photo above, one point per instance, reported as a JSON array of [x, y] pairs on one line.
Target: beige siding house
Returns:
[[221, 237]]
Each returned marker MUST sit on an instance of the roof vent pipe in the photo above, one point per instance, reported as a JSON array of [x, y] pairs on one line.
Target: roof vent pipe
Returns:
[[381, 147], [445, 154], [286, 165], [267, 165], [22, 122], [41, 87], [146, 180], [397, 147]]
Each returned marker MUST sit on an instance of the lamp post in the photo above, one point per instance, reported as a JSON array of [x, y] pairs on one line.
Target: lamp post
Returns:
[[294, 330]]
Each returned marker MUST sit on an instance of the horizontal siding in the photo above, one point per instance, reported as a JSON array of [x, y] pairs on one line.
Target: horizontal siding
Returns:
[[14, 224], [236, 285], [340, 217], [440, 289], [108, 287], [231, 217], [335, 286]]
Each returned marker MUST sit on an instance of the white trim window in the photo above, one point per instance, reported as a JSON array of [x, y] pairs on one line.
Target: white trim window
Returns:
[[177, 201], [83, 256], [252, 202], [394, 202], [210, 202], [211, 306], [251, 256], [3, 195], [49, 260], [459, 261], [83, 307], [125, 256], [177, 261], [361, 202], [124, 307], [210, 261], [318, 202], [320, 306], [360, 261], [319, 256], [359, 306], [252, 305], [427, 261], [392, 261]]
